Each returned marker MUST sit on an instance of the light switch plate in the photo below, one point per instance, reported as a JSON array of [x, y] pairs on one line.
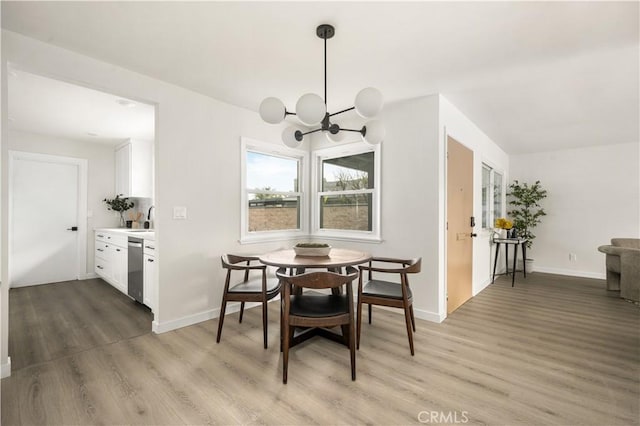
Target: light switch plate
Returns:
[[179, 212]]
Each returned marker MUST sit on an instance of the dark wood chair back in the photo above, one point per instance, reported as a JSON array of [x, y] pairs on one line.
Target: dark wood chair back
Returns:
[[317, 310], [388, 293], [259, 289]]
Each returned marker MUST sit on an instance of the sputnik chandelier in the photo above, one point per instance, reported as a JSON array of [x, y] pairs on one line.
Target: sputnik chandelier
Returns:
[[311, 109]]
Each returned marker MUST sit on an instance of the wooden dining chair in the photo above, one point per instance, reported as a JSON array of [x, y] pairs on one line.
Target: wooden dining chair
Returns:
[[317, 310], [387, 293], [259, 289]]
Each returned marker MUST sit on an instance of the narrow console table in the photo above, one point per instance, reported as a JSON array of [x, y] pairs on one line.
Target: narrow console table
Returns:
[[515, 242]]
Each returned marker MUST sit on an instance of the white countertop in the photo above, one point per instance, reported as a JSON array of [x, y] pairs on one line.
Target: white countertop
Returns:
[[146, 234]]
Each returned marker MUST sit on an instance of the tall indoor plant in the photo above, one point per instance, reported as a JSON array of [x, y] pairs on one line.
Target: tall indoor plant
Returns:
[[526, 211]]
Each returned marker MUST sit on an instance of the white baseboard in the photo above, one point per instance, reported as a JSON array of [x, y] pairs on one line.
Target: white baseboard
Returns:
[[5, 369], [570, 272], [428, 315], [88, 276], [163, 327]]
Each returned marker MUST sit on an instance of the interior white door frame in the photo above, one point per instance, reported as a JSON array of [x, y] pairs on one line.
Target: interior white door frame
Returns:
[[82, 163]]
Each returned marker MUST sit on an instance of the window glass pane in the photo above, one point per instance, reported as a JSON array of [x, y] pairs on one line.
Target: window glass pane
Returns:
[[497, 194], [268, 212], [348, 173], [268, 172], [486, 182], [349, 212]]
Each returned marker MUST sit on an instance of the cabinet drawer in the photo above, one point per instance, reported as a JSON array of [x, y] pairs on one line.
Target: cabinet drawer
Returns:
[[102, 268], [101, 249], [150, 247]]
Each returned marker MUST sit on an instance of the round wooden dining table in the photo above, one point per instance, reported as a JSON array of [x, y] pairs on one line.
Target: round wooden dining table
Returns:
[[337, 258]]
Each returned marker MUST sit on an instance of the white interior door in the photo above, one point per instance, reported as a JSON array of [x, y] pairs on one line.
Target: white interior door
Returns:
[[44, 194]]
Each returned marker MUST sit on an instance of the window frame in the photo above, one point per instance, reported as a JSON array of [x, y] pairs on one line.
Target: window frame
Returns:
[[274, 150], [345, 150], [491, 211]]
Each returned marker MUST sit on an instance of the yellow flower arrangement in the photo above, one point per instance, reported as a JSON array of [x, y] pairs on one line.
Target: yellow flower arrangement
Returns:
[[502, 223]]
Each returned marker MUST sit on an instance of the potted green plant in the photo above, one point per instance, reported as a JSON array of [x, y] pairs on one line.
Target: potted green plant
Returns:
[[526, 211], [119, 205]]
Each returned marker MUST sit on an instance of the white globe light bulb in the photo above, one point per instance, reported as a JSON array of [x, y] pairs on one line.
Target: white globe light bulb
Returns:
[[368, 102], [374, 132], [310, 109], [289, 137], [272, 110]]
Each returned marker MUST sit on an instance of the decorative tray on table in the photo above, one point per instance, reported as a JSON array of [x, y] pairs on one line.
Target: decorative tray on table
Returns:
[[312, 249]]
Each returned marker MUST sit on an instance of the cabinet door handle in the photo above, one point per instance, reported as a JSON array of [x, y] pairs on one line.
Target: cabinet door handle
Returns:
[[149, 260], [100, 250], [149, 247], [100, 235], [117, 249], [99, 267]]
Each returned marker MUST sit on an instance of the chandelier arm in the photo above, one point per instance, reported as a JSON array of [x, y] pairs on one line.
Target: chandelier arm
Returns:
[[361, 131], [344, 110], [311, 131]]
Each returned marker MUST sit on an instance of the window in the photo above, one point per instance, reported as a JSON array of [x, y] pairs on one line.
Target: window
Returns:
[[346, 203], [273, 196], [492, 196]]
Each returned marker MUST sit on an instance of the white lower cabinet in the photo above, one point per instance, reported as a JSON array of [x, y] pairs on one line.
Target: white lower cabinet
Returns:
[[111, 259], [112, 265], [150, 282], [119, 263], [150, 274]]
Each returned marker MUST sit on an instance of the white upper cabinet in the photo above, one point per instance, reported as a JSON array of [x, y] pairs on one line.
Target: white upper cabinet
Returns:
[[134, 169]]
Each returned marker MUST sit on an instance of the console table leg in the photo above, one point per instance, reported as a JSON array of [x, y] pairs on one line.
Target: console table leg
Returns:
[[515, 256], [524, 257], [495, 262]]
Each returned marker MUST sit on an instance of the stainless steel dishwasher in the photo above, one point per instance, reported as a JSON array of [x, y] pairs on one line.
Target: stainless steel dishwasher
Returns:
[[135, 262]]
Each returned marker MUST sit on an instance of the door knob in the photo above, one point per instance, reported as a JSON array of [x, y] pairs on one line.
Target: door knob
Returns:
[[473, 235]]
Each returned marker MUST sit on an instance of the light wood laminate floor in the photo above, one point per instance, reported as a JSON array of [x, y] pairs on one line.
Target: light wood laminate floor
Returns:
[[552, 350]]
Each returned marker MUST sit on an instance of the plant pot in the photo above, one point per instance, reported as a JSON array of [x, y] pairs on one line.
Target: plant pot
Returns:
[[528, 264]]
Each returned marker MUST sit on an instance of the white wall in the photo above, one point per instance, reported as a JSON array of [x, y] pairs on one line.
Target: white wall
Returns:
[[593, 196], [455, 124], [409, 193], [100, 174]]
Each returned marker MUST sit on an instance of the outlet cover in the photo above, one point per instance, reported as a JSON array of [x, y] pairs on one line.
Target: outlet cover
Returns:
[[179, 212]]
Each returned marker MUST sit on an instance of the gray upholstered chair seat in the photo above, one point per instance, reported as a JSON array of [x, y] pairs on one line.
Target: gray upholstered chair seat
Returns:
[[385, 289], [255, 286]]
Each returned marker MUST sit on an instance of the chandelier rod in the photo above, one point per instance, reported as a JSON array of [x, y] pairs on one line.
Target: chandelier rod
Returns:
[[325, 71]]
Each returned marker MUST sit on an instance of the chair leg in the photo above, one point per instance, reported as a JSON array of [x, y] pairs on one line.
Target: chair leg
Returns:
[[359, 322], [407, 318], [285, 352], [223, 308], [241, 310], [264, 322], [369, 313], [413, 319], [352, 349]]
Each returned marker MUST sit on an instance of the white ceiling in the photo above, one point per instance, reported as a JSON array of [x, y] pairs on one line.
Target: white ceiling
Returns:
[[50, 107], [534, 76]]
